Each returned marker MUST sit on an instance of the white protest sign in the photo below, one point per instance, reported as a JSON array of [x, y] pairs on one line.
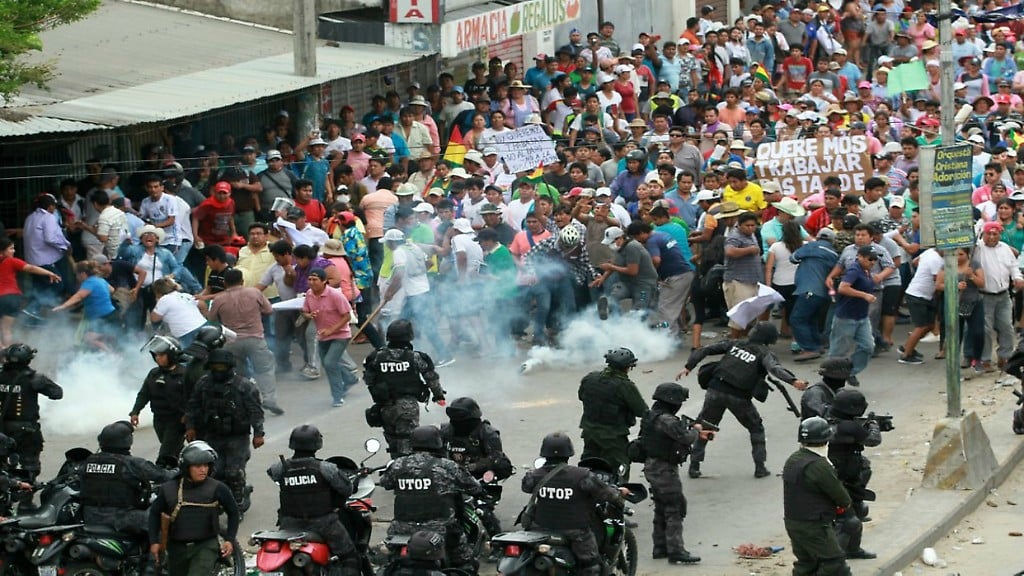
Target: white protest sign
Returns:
[[525, 148], [801, 166]]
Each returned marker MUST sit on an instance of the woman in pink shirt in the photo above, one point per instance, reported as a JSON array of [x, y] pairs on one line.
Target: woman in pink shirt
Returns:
[[330, 311]]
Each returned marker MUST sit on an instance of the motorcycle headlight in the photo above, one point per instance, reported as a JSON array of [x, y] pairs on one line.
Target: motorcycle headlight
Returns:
[[544, 548]]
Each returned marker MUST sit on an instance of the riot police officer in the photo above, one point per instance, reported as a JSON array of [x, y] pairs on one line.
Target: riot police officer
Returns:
[[164, 391], [399, 378], [811, 494], [20, 387], [472, 442], [428, 494], [666, 440], [845, 451], [222, 410], [311, 492], [611, 405], [115, 484], [210, 337], [738, 377], [191, 506], [564, 499], [818, 397]]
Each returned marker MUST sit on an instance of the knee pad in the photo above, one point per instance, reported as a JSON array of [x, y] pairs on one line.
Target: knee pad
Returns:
[[1018, 421]]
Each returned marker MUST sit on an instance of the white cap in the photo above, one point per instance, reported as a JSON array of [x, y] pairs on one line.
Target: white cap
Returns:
[[475, 156], [490, 150], [394, 235], [623, 68], [463, 225], [892, 148], [959, 86], [612, 234], [603, 191], [604, 77], [424, 207], [318, 142], [637, 47], [707, 195], [977, 139]]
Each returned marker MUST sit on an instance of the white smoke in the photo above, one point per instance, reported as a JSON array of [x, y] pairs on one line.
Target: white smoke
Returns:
[[587, 338]]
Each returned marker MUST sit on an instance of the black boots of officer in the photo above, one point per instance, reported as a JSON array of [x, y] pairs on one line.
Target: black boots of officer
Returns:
[[760, 470]]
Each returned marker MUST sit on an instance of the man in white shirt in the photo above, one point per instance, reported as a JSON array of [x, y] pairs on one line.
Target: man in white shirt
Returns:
[[336, 143], [520, 207], [1000, 265], [161, 211], [872, 204], [409, 273], [921, 303], [111, 226]]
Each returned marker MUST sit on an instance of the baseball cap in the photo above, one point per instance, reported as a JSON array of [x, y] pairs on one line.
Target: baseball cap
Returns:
[[866, 251], [489, 208], [273, 154], [463, 225], [897, 201], [826, 234], [100, 259], [612, 234], [424, 207], [603, 191], [394, 235]]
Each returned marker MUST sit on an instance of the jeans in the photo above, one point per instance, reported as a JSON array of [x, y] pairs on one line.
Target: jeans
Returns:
[[804, 319], [972, 330], [182, 252], [419, 310], [998, 318], [338, 365], [256, 351], [849, 333], [284, 329], [551, 294]]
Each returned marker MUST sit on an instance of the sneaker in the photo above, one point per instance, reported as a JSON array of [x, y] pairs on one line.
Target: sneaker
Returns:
[[444, 363], [852, 381], [987, 367], [310, 372], [978, 370], [930, 338], [602, 307], [695, 471], [913, 359], [683, 557], [273, 409], [338, 403], [806, 355]]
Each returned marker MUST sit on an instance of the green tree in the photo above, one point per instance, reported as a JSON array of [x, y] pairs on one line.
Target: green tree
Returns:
[[21, 21]]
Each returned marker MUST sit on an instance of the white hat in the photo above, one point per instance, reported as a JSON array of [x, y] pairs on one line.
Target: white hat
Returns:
[[637, 47], [883, 60], [318, 142], [959, 86], [770, 187], [623, 68], [738, 145], [534, 119], [463, 225], [475, 156], [612, 234], [150, 229], [394, 235], [977, 139], [273, 154], [458, 172], [892, 148], [840, 51], [604, 77], [603, 191], [790, 206], [707, 195], [490, 151], [407, 189]]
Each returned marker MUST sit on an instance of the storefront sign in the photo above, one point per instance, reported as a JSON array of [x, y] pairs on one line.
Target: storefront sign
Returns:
[[801, 166], [415, 11], [498, 25]]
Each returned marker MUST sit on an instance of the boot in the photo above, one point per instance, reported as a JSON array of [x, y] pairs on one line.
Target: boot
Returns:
[[659, 553], [695, 470], [683, 557], [760, 471], [861, 554], [861, 509]]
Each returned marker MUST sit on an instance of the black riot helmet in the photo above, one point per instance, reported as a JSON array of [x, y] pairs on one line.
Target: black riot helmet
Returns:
[[169, 345], [849, 404], [622, 358], [19, 354], [815, 430], [306, 438], [425, 545], [196, 453], [836, 368], [211, 336], [221, 364], [462, 409], [557, 446], [671, 393], [400, 331], [426, 438], [764, 333], [116, 436]]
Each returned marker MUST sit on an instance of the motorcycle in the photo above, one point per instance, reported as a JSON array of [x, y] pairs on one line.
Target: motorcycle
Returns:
[[38, 526], [536, 552], [286, 553]]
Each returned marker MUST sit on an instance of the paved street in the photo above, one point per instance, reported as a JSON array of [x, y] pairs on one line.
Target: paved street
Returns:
[[726, 508]]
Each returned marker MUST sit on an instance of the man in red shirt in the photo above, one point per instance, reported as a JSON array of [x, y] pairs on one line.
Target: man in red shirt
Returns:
[[213, 220], [314, 209], [795, 70], [822, 217], [11, 300]]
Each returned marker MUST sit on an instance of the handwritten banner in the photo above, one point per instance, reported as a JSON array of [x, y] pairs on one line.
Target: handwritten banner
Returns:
[[801, 166], [525, 148]]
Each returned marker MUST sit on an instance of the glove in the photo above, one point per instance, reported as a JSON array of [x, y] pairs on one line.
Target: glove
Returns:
[[439, 400]]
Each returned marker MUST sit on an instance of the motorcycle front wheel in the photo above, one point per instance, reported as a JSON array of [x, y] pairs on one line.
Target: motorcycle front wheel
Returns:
[[79, 569], [625, 564], [233, 565]]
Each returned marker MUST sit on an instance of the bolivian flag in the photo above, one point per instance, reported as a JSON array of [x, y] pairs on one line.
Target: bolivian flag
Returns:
[[758, 71], [455, 152]]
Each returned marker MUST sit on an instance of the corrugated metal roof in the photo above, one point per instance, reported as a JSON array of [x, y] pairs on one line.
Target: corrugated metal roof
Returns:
[[30, 125], [213, 89]]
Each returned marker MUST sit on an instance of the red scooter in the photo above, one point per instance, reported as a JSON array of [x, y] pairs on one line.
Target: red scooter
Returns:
[[285, 553]]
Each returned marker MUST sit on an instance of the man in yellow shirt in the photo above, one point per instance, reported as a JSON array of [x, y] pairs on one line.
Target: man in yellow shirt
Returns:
[[747, 195]]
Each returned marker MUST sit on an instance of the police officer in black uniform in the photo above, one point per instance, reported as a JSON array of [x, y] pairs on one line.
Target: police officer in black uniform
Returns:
[[428, 494], [192, 505], [845, 451], [611, 405], [164, 391], [738, 377], [666, 440], [20, 387], [399, 378], [811, 495], [818, 397], [311, 492], [116, 485], [563, 501], [210, 337], [222, 410]]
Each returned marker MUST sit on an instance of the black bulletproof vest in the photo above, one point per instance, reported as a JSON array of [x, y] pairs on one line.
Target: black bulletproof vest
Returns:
[[305, 493], [801, 502], [561, 504], [601, 403], [845, 450], [740, 367], [464, 450], [166, 391], [397, 366], [106, 482], [18, 398], [658, 444], [418, 498], [197, 518], [224, 410]]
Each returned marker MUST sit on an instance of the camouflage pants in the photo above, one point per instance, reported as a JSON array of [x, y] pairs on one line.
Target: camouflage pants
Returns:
[[233, 454], [716, 403], [816, 549], [669, 505], [456, 547], [400, 418]]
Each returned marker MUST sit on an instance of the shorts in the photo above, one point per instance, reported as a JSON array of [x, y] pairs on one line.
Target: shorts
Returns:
[[736, 292], [11, 304], [922, 312], [891, 300]]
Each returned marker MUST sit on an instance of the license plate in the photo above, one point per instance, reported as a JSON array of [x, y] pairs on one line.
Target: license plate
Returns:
[[47, 571]]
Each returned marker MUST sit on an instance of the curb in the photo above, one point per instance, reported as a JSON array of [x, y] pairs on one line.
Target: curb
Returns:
[[933, 533]]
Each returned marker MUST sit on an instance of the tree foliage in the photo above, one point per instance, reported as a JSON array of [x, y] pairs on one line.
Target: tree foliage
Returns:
[[21, 21]]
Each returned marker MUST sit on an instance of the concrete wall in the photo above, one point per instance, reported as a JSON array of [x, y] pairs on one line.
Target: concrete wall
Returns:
[[274, 13], [664, 17]]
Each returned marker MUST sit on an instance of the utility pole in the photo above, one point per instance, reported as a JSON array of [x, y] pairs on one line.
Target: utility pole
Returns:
[[304, 37], [951, 291]]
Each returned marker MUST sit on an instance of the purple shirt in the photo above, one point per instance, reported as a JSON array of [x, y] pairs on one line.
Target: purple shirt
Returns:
[[301, 283], [44, 241]]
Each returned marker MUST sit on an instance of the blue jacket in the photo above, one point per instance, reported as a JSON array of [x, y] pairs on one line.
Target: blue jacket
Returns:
[[816, 259], [133, 253]]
